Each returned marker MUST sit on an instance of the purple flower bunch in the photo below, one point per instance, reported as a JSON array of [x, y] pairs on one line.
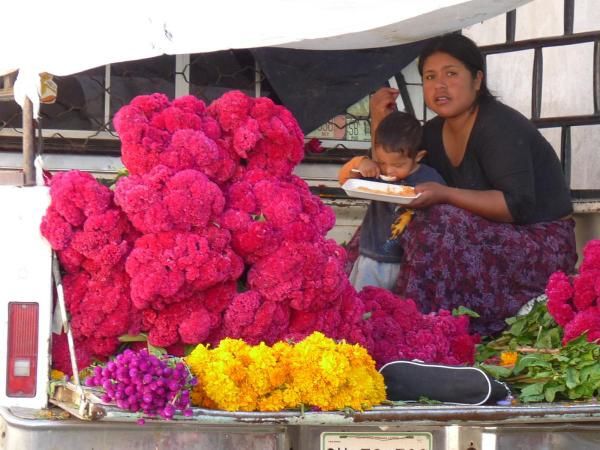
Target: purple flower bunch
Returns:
[[139, 381]]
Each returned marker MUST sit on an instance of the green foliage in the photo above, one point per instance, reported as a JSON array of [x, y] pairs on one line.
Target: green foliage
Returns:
[[133, 338], [123, 172], [535, 329], [463, 311], [545, 370], [573, 373]]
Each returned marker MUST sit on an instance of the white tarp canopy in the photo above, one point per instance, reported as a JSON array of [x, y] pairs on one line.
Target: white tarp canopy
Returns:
[[64, 37]]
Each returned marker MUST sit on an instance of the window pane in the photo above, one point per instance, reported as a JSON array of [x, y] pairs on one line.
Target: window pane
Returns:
[[10, 115], [510, 78], [568, 80], [213, 74], [79, 104], [587, 16], [411, 73], [554, 136], [416, 98], [492, 31], [540, 19], [585, 164], [146, 76]]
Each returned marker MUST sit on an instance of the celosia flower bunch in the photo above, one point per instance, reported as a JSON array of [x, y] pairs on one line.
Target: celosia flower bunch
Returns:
[[316, 372], [574, 301], [398, 330], [212, 236], [93, 238], [84, 225]]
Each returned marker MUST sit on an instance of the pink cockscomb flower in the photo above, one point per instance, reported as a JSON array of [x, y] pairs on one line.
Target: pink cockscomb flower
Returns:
[[560, 293], [253, 319], [587, 321], [165, 200]]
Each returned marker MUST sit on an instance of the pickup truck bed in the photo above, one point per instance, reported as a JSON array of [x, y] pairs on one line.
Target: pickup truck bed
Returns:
[[559, 426]]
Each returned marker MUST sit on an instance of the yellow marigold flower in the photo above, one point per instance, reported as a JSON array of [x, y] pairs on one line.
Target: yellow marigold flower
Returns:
[[57, 375], [508, 358], [316, 372]]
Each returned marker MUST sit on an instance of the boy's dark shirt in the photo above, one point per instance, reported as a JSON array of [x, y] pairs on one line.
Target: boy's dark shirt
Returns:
[[505, 152], [376, 226]]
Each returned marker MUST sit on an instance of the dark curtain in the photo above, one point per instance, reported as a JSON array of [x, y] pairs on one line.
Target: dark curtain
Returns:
[[317, 85]]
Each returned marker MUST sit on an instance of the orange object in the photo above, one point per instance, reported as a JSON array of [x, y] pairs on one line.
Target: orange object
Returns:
[[508, 358], [346, 170]]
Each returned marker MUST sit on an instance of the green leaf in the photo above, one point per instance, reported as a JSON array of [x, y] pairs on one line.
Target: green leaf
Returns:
[[517, 328], [572, 377], [582, 391], [133, 338], [189, 348], [577, 342], [591, 371], [532, 360], [511, 320], [123, 172], [156, 351], [533, 389], [549, 339], [532, 398], [484, 353], [496, 371], [428, 401], [463, 311], [367, 315], [551, 391]]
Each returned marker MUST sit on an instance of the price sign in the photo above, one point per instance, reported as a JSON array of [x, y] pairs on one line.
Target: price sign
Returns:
[[334, 129], [357, 129], [376, 441]]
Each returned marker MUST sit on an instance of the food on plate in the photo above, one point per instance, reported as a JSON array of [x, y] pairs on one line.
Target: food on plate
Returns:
[[390, 189]]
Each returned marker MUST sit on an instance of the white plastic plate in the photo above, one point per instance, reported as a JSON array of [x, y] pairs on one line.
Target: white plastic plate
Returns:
[[353, 189]]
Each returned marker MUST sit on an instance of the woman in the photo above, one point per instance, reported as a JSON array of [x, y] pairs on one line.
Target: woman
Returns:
[[490, 239]]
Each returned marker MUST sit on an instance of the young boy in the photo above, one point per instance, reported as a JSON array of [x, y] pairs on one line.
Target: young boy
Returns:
[[396, 154]]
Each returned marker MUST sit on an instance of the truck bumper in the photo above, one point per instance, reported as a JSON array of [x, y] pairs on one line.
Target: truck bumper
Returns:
[[543, 426]]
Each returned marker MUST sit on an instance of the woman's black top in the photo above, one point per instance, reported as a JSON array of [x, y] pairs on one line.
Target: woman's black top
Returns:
[[505, 152]]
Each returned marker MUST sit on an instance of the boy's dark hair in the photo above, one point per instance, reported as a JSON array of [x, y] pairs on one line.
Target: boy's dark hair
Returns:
[[462, 48], [399, 132]]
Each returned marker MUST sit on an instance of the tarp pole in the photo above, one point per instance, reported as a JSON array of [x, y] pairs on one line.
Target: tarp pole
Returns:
[[28, 144]]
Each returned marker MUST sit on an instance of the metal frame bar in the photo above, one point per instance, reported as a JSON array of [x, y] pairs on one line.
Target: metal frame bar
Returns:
[[565, 152], [536, 93], [511, 25], [596, 69], [569, 16], [528, 44]]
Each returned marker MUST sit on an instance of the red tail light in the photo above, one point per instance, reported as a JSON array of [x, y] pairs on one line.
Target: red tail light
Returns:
[[22, 349]]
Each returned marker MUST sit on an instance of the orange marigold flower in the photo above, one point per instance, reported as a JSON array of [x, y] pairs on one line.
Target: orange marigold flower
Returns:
[[508, 358]]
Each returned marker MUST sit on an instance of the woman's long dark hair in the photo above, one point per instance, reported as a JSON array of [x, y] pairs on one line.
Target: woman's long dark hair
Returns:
[[463, 49]]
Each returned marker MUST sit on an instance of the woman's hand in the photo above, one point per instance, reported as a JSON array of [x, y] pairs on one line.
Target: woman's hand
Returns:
[[431, 194], [381, 103], [489, 204], [368, 168]]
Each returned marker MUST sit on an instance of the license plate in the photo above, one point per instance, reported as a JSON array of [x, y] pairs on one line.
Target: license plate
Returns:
[[376, 441]]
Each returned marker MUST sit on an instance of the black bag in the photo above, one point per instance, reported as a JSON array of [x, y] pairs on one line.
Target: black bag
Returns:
[[411, 381]]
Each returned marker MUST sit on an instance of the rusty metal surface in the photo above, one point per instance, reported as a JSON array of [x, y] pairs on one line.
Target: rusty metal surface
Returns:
[[417, 414]]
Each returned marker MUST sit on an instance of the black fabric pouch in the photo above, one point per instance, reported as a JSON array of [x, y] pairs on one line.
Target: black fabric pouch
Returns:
[[412, 381]]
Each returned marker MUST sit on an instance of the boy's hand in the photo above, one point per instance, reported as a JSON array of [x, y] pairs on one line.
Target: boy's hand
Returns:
[[368, 169]]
